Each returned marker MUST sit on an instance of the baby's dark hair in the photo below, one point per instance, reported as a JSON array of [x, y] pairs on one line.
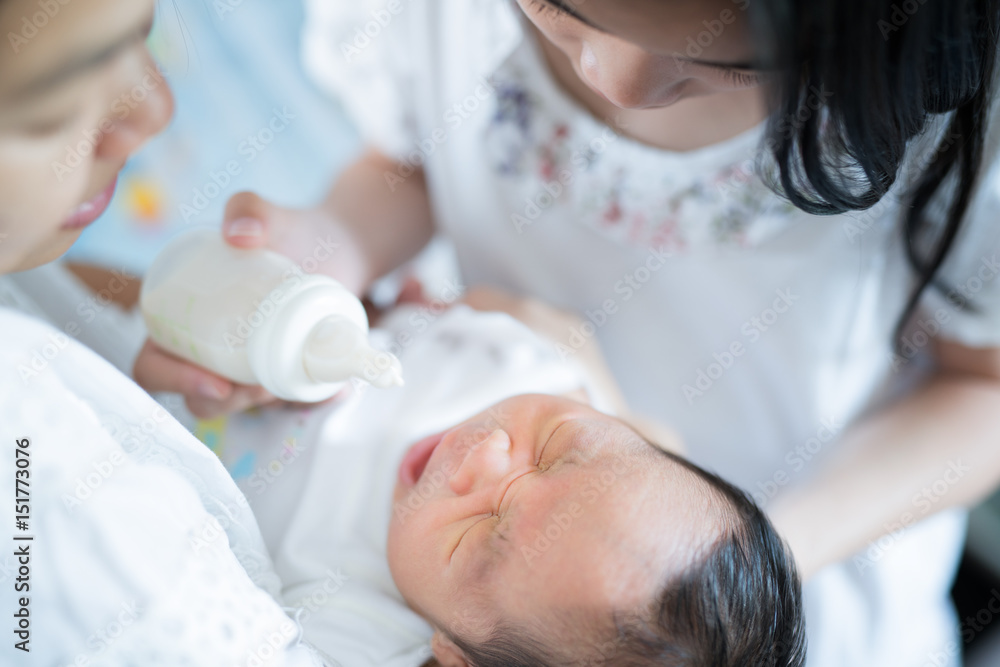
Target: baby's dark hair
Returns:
[[738, 605]]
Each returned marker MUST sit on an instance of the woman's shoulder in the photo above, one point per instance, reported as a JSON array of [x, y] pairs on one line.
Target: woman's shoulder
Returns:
[[22, 333], [48, 379], [407, 34]]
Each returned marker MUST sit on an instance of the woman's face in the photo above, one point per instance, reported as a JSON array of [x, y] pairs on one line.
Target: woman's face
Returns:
[[640, 54], [79, 93]]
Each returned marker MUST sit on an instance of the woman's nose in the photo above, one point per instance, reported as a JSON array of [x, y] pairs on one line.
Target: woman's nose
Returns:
[[626, 77], [486, 462], [143, 107]]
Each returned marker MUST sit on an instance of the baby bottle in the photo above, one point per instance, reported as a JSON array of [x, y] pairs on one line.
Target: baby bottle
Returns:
[[253, 317]]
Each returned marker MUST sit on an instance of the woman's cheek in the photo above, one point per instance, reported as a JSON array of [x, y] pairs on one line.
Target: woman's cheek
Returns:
[[38, 195]]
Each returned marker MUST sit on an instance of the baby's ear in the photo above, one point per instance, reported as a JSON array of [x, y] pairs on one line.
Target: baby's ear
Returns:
[[446, 652]]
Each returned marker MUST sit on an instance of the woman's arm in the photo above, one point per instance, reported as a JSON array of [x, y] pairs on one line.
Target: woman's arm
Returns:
[[363, 230], [937, 449], [122, 290]]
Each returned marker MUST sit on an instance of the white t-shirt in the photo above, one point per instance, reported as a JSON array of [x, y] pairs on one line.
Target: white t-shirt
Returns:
[[144, 552], [757, 331], [320, 481]]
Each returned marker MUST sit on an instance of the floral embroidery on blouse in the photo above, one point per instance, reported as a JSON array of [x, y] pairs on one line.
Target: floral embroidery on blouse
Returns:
[[622, 188]]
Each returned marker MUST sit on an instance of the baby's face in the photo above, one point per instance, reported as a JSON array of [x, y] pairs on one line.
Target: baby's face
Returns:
[[539, 504]]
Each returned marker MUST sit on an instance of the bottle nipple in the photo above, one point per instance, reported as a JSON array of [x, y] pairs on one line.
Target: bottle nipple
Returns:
[[337, 350]]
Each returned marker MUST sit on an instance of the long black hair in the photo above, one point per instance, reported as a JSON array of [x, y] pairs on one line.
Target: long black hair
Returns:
[[885, 69]]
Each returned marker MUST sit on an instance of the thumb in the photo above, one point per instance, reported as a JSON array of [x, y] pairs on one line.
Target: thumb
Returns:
[[247, 220]]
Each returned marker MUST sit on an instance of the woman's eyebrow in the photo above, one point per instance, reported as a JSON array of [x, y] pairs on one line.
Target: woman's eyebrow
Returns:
[[84, 63]]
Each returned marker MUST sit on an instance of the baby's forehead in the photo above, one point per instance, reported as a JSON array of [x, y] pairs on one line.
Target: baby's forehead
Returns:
[[604, 545], [620, 499], [605, 441]]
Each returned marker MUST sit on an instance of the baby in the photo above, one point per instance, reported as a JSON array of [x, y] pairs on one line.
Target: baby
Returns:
[[564, 538], [538, 532]]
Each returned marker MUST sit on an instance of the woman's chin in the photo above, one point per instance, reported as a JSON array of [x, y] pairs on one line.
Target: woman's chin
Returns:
[[58, 247]]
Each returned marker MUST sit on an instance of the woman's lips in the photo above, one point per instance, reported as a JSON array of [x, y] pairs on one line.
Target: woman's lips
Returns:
[[415, 460], [91, 210]]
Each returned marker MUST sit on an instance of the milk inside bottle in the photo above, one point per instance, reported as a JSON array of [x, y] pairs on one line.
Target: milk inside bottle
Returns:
[[253, 317]]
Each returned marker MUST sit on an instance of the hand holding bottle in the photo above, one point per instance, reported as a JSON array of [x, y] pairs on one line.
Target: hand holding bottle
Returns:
[[313, 247]]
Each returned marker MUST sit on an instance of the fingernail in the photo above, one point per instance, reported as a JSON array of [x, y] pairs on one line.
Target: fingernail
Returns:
[[249, 227], [212, 391]]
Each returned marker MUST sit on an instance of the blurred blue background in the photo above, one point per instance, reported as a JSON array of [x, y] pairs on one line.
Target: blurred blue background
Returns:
[[233, 65]]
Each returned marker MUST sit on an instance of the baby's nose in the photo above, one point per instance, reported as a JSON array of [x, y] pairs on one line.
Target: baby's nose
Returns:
[[486, 462]]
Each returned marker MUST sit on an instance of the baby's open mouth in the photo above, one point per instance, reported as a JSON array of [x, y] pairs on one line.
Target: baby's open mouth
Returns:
[[415, 460]]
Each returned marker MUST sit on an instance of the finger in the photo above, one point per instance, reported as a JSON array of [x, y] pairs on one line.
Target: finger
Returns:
[[488, 299], [245, 222], [156, 370], [412, 292], [242, 399]]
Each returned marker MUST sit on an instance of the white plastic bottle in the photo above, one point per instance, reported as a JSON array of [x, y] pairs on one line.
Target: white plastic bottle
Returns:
[[252, 316]]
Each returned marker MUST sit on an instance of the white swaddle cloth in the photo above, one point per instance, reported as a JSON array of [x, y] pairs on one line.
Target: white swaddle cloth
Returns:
[[322, 486]]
